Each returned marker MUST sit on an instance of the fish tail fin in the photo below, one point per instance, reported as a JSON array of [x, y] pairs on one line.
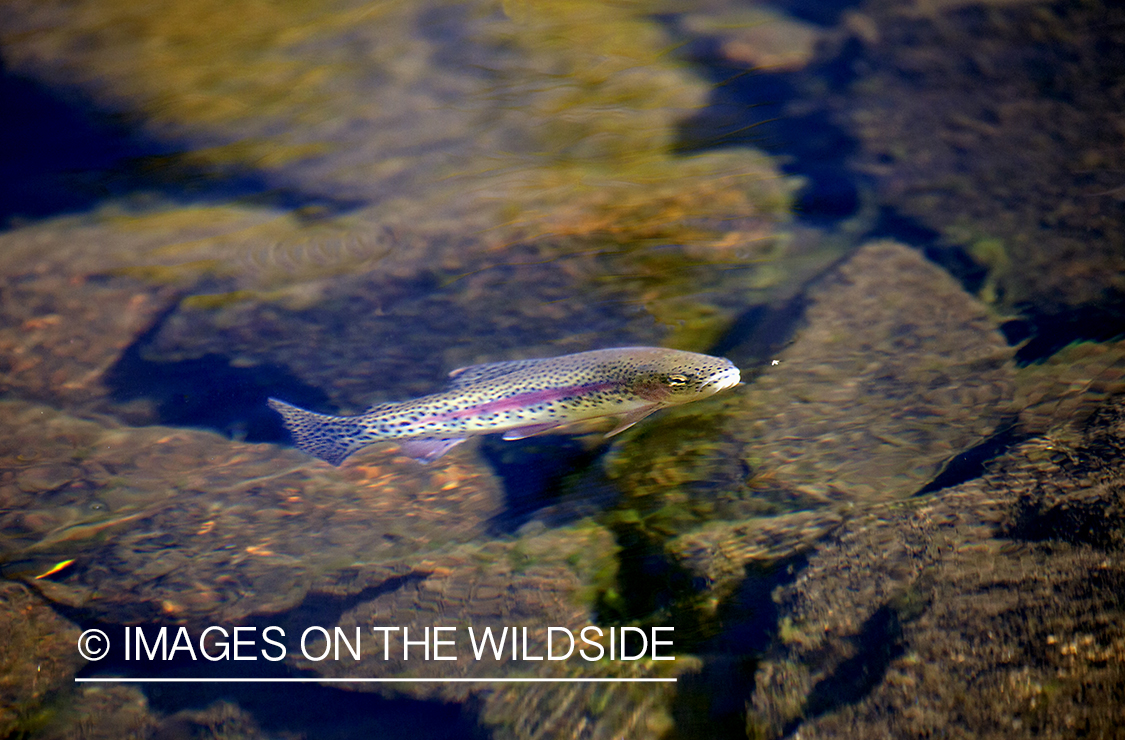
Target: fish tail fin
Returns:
[[331, 438]]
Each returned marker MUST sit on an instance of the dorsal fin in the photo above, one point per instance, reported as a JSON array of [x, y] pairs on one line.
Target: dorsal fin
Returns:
[[463, 376]]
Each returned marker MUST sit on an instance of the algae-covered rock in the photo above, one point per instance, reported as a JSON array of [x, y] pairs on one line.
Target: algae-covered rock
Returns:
[[39, 657], [719, 551], [59, 337], [291, 89], [464, 153], [527, 585], [107, 711], [1064, 389], [895, 371], [526, 154], [555, 117], [990, 609], [997, 128], [1071, 486], [63, 321], [103, 712], [387, 334], [534, 582], [187, 526]]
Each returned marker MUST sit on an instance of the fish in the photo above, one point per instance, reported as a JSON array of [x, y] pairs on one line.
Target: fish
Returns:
[[520, 398]]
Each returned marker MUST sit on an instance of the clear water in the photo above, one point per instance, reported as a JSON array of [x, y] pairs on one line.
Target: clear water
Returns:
[[863, 207]]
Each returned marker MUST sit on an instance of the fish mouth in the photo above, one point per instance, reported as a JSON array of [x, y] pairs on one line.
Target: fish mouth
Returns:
[[721, 381]]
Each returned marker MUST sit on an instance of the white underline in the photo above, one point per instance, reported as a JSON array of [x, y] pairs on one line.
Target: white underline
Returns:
[[374, 680]]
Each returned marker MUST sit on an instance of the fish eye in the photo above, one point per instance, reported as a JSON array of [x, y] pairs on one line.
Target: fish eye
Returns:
[[676, 380]]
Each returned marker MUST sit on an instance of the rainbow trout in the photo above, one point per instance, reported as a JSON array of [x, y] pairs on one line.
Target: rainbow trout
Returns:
[[520, 398]]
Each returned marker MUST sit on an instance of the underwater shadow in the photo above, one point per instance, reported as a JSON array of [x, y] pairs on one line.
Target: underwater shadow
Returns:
[[712, 702], [878, 643], [308, 710], [63, 153], [209, 392], [551, 479]]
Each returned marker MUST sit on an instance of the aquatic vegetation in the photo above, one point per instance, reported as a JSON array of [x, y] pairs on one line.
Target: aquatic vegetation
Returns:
[[208, 64], [600, 163], [538, 580], [905, 609], [167, 535], [558, 120], [515, 166], [38, 658], [463, 155], [896, 370], [998, 130]]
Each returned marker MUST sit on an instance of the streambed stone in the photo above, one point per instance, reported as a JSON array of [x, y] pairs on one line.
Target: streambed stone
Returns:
[[989, 609], [39, 658], [895, 370], [532, 583], [188, 527]]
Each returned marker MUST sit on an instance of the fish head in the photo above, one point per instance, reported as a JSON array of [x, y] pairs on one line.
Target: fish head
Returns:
[[673, 377]]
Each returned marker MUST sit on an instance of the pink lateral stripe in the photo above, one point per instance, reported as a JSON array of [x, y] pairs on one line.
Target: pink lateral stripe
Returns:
[[521, 400]]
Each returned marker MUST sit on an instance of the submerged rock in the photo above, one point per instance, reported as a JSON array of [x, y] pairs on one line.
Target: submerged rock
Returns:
[[444, 117], [527, 585], [188, 527], [63, 321], [39, 658], [439, 155], [988, 609], [895, 371], [1062, 390], [998, 128], [96, 711], [898, 370]]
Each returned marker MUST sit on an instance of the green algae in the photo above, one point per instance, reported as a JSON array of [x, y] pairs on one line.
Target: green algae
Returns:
[[211, 64], [1018, 167], [563, 126], [895, 370], [689, 445], [1068, 386], [38, 662], [601, 165], [536, 587], [998, 573], [550, 143], [616, 78]]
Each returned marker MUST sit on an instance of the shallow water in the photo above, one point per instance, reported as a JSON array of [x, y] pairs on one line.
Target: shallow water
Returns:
[[904, 224]]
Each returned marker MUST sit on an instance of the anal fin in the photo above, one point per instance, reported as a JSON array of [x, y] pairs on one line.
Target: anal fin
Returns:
[[428, 450]]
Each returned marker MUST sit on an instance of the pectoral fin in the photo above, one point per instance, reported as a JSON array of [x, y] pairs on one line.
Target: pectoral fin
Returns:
[[428, 450], [632, 418], [531, 430]]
